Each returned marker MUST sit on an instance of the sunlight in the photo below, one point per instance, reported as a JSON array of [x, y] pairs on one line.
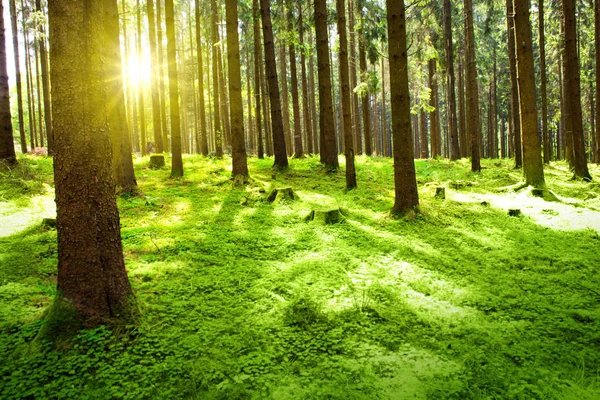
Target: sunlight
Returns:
[[138, 71], [15, 218]]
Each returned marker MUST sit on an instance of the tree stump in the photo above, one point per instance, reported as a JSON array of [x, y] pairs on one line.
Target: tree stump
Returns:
[[49, 223], [280, 194], [440, 193], [514, 212], [326, 216], [157, 161]]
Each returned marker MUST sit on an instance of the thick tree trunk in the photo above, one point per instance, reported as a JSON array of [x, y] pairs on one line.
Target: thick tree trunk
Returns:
[[329, 156], [177, 162], [92, 280], [257, 85], [573, 91], [473, 122], [453, 145], [533, 168], [15, 37], [119, 131], [405, 181], [238, 146], [514, 91], [7, 144], [281, 160], [346, 99], [156, 123]]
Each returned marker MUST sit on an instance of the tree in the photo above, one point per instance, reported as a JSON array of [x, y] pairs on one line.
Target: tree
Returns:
[[176, 162], [346, 99], [257, 83], [329, 157], [450, 91], [514, 89], [45, 82], [472, 92], [543, 89], [121, 143], [156, 123], [215, 73], [238, 145], [201, 103], [279, 149], [298, 148], [7, 144], [140, 93], [597, 56], [405, 181], [15, 34], [573, 90], [305, 98], [532, 158], [92, 281], [362, 56]]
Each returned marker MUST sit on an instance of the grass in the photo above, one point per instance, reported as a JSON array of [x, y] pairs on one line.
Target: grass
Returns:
[[244, 299]]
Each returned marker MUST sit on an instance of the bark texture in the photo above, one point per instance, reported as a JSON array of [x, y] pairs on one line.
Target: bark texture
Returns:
[[7, 144], [472, 92], [176, 160]]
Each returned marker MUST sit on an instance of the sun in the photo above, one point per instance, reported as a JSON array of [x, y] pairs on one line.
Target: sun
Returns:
[[138, 71]]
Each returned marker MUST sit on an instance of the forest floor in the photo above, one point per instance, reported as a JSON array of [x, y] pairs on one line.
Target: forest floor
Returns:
[[243, 298]]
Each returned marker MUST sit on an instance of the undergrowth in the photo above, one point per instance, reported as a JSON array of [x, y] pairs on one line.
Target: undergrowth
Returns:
[[245, 299]]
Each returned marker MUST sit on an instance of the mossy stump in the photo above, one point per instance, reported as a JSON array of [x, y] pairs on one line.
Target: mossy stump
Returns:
[[157, 161], [326, 216], [440, 193], [278, 195], [514, 212]]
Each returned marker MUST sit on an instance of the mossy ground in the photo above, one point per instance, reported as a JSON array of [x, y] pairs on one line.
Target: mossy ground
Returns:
[[244, 299]]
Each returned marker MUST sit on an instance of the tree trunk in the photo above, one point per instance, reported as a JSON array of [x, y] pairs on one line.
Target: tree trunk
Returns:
[[405, 181], [386, 150], [355, 109], [201, 100], [362, 55], [329, 156], [285, 102], [299, 150], [30, 94], [346, 98], [453, 145], [305, 99], [597, 76], [543, 90], [257, 84], [177, 162], [574, 90], [462, 119], [161, 80], [7, 144], [45, 83], [215, 74], [313, 97], [473, 124], [533, 168], [516, 119], [39, 92], [15, 37], [279, 150], [224, 96], [92, 281], [142, 108], [238, 146], [119, 131], [156, 123]]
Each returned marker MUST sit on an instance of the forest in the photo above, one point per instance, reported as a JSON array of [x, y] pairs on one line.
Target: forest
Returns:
[[299, 199]]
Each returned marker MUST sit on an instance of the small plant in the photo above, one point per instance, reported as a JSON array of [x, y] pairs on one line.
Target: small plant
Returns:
[[302, 311]]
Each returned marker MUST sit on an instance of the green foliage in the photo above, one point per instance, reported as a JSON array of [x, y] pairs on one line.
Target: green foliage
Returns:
[[243, 299]]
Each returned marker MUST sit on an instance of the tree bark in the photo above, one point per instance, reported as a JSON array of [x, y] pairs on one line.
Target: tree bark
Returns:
[[7, 144], [329, 156], [298, 148], [305, 99], [543, 89], [355, 108], [462, 119], [533, 168], [450, 83], [516, 119], [362, 55], [473, 122], [30, 96], [15, 37], [45, 83], [215, 74], [574, 90], [346, 99], [597, 76], [92, 280], [140, 89], [279, 149], [257, 83], [405, 181], [201, 100], [238, 145], [161, 80], [156, 123], [176, 162]]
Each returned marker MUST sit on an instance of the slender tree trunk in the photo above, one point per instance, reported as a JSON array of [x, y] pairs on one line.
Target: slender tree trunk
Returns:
[[473, 124], [201, 100], [30, 92], [40, 119], [215, 77], [597, 76], [285, 102], [177, 162], [362, 55], [405, 181], [7, 144], [329, 156], [465, 150], [15, 37], [423, 131], [299, 150], [543, 90], [251, 133], [238, 146], [313, 96], [352, 61], [433, 102], [386, 150], [281, 160], [161, 80], [92, 280], [45, 82], [450, 91], [224, 96], [516, 118], [574, 90], [305, 98], [346, 98], [494, 105], [532, 159], [257, 83], [142, 108], [156, 123]]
